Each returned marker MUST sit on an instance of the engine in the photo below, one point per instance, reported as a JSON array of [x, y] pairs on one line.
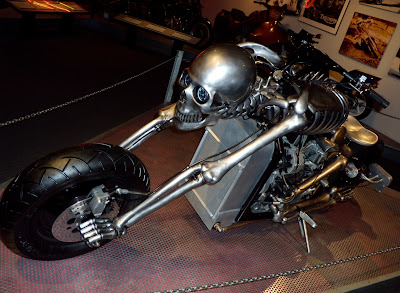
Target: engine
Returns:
[[301, 159]]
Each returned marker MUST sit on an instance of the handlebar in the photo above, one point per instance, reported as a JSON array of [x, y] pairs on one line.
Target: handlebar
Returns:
[[261, 3], [303, 36], [370, 93]]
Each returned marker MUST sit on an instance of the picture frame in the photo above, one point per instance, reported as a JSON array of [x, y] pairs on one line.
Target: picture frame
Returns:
[[367, 38], [395, 67], [389, 5], [324, 14]]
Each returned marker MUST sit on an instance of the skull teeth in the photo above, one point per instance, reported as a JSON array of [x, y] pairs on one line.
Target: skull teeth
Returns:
[[188, 118]]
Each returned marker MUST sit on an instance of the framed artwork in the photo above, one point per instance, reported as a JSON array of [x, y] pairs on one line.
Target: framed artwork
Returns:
[[324, 14], [390, 5], [395, 67], [366, 38]]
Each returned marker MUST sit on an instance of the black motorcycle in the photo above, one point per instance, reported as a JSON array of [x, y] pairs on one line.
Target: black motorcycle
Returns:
[[183, 16], [305, 62]]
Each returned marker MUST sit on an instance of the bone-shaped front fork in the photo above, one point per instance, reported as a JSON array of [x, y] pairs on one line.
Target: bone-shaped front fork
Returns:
[[164, 119], [209, 172]]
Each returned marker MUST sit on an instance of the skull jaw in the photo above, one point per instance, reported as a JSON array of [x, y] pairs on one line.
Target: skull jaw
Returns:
[[183, 123]]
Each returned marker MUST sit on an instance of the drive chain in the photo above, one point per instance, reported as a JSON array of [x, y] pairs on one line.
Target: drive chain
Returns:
[[38, 113], [272, 276]]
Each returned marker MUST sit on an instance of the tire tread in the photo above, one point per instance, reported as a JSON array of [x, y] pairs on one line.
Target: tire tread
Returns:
[[59, 169]]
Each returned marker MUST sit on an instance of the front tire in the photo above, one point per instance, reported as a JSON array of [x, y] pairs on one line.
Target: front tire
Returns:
[[33, 205]]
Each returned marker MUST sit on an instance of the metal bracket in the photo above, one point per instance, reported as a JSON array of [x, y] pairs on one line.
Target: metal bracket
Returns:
[[173, 77], [303, 219], [100, 199]]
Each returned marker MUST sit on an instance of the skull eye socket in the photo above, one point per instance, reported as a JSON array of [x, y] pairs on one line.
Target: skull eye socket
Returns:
[[201, 95], [185, 79]]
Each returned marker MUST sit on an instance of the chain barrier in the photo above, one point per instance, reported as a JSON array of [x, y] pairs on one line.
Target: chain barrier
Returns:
[[35, 114], [272, 276], [38, 113]]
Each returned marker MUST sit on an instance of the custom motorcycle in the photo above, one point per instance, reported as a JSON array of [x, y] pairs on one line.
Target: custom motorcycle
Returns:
[[275, 147]]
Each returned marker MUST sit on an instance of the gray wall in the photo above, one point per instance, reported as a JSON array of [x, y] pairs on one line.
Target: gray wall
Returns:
[[389, 87]]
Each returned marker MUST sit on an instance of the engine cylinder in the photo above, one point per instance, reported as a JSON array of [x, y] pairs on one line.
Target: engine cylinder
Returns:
[[327, 109]]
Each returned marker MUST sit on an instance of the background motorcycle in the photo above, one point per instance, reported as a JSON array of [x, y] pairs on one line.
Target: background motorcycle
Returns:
[[180, 15], [184, 16], [263, 27], [234, 26], [287, 150]]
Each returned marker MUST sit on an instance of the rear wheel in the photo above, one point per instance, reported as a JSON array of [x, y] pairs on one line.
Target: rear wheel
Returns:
[[38, 210]]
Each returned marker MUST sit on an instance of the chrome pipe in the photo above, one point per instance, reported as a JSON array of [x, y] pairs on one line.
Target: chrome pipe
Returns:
[[259, 50], [339, 164]]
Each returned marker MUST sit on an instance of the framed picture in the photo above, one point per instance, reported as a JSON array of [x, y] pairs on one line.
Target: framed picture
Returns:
[[366, 38], [324, 14], [390, 5], [395, 68]]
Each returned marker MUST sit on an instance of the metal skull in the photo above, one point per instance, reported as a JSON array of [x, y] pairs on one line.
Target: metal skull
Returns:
[[218, 80]]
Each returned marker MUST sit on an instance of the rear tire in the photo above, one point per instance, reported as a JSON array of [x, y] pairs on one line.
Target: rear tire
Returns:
[[31, 205]]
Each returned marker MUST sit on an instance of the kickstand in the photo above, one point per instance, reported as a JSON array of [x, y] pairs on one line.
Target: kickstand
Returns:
[[303, 218]]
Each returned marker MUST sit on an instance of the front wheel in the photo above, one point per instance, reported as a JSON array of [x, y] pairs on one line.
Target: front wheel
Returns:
[[41, 207]]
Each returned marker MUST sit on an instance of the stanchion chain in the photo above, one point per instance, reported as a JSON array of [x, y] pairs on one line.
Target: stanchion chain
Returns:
[[32, 115], [276, 275]]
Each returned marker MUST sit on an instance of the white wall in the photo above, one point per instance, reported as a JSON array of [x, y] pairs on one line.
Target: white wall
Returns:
[[389, 87]]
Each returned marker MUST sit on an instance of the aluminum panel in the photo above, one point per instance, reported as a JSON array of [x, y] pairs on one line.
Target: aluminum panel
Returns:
[[220, 203]]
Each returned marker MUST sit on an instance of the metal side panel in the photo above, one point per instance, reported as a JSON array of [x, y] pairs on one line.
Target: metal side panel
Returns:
[[220, 203]]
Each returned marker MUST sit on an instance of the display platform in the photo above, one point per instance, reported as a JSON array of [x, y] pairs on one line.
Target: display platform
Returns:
[[158, 29], [356, 242]]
